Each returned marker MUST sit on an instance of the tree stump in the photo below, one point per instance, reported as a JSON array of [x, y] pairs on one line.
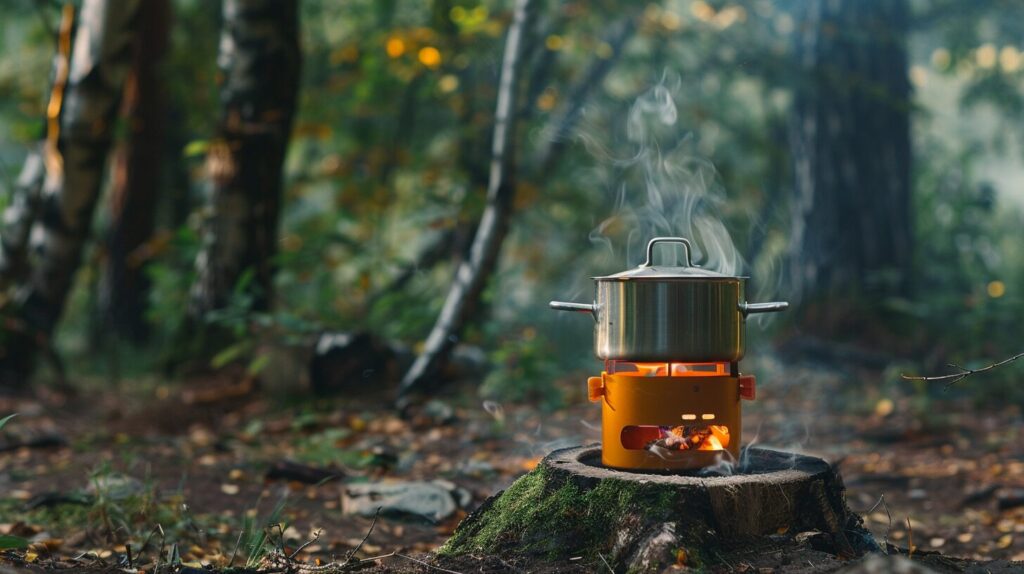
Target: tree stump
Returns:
[[571, 506]]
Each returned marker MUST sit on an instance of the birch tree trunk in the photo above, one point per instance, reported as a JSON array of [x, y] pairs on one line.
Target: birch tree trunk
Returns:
[[850, 137], [81, 128], [137, 178], [259, 60], [472, 274]]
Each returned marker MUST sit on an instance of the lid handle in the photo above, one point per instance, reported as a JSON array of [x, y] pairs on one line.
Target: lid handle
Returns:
[[650, 249]]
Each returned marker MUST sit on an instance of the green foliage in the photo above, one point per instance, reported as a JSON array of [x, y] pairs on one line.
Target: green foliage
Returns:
[[171, 276], [390, 152], [8, 542], [257, 538], [970, 274], [524, 370]]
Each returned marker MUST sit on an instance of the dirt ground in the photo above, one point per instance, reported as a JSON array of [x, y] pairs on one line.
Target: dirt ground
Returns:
[[926, 470]]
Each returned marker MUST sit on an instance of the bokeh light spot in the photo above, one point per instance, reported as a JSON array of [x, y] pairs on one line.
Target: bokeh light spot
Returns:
[[395, 47], [430, 56]]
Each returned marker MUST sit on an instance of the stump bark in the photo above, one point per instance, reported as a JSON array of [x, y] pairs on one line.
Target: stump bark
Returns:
[[571, 506]]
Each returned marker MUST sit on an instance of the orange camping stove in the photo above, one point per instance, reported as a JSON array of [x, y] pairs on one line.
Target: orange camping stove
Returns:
[[669, 416]]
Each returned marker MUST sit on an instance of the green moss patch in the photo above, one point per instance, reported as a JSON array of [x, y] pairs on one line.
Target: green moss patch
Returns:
[[540, 515]]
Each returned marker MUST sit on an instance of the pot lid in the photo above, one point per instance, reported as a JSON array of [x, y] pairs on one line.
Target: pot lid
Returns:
[[649, 271]]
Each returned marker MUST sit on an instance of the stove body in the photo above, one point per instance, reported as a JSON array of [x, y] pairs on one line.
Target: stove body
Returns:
[[670, 416]]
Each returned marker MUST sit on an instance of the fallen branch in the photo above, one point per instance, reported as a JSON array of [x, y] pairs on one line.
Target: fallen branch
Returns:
[[304, 545], [1011, 499], [427, 564], [44, 440], [955, 378], [472, 274], [293, 471], [369, 531]]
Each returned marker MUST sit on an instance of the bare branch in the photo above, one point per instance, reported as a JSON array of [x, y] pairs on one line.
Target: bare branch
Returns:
[[316, 537], [352, 554], [953, 378], [472, 274], [427, 564]]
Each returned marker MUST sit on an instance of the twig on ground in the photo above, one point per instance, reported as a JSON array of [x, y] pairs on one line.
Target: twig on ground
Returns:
[[427, 564], [954, 378], [289, 470], [234, 552], [979, 495], [601, 556], [160, 551], [724, 561], [910, 540], [316, 536], [369, 531], [381, 557], [280, 539], [881, 500]]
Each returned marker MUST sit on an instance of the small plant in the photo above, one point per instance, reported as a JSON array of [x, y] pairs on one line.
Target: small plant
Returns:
[[256, 539]]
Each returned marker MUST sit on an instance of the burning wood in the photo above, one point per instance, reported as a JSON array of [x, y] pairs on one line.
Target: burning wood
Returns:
[[692, 437]]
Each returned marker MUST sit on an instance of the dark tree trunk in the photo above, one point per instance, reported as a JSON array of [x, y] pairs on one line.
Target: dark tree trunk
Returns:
[[259, 59], [472, 274], [850, 137], [136, 179], [80, 133]]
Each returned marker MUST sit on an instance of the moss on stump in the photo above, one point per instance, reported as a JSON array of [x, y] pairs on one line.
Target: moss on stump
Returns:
[[571, 506]]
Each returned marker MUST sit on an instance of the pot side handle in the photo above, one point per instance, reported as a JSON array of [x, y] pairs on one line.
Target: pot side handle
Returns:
[[748, 308], [577, 307]]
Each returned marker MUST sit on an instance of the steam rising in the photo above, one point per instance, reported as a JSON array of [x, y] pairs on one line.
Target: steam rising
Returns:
[[662, 187]]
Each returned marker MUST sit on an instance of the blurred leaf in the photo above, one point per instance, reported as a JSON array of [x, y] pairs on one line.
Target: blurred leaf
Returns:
[[258, 364], [229, 354], [8, 542], [196, 148], [6, 419]]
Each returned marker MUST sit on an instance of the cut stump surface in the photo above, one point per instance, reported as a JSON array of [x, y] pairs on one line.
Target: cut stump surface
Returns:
[[571, 506]]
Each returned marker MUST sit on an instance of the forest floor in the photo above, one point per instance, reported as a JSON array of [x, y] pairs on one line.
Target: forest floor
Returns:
[[181, 469]]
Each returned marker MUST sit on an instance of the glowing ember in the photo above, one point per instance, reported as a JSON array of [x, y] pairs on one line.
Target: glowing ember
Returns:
[[679, 438], [693, 437]]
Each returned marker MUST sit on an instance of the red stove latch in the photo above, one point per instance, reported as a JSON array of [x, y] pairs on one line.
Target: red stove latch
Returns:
[[748, 387]]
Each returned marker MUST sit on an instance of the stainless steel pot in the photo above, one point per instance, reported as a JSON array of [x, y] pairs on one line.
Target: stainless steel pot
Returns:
[[658, 313]]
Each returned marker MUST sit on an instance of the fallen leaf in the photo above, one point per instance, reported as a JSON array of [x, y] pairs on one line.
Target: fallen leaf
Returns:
[[229, 489]]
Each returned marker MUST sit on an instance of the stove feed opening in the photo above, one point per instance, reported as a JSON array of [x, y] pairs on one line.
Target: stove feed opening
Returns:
[[670, 440]]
